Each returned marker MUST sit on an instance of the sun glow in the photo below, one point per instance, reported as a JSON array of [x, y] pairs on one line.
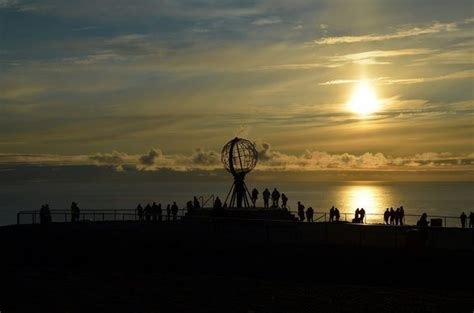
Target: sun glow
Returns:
[[364, 100]]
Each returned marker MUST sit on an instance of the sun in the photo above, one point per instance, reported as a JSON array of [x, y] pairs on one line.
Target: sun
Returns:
[[364, 100]]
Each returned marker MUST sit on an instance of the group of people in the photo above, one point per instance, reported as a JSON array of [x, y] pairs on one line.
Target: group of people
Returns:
[[275, 196], [394, 217], [359, 216], [154, 212], [334, 214], [309, 213], [463, 218]]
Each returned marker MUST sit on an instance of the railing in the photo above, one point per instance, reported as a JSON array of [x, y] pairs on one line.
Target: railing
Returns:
[[378, 218], [97, 216]]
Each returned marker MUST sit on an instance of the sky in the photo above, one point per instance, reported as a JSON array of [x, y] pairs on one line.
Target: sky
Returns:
[[150, 85]]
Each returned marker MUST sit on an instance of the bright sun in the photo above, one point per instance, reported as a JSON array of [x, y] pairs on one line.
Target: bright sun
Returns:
[[364, 100]]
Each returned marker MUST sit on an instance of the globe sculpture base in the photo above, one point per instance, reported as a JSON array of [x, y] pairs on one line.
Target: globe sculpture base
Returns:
[[239, 194]]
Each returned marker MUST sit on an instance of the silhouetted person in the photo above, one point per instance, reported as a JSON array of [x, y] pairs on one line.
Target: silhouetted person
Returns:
[[139, 211], [386, 216], [75, 212], [356, 216], [189, 206], [392, 216], [196, 203], [148, 212], [337, 214], [402, 216], [284, 201], [362, 215], [301, 211], [254, 197], [217, 204], [45, 214], [423, 221], [331, 214], [275, 198], [397, 216], [471, 220], [174, 211], [266, 198], [154, 212], [309, 215], [463, 220], [168, 212], [159, 212]]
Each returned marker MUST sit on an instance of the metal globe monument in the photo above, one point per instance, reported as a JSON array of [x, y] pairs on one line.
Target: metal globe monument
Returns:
[[239, 157]]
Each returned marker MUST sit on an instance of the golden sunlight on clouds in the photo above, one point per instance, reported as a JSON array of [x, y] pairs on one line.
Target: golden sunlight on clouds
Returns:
[[364, 100]]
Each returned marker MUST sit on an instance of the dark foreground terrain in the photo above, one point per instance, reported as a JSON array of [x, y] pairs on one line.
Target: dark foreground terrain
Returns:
[[222, 267]]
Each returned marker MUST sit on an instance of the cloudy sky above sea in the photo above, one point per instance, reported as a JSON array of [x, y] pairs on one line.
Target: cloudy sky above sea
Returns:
[[155, 84]]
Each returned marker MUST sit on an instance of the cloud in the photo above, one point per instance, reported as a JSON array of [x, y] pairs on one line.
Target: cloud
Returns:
[[468, 74], [402, 33], [269, 160], [370, 57], [267, 21]]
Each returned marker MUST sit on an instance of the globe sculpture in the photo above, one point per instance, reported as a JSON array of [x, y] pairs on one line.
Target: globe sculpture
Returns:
[[239, 157]]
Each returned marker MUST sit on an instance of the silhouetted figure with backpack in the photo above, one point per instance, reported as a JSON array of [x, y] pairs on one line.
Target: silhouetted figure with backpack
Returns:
[[309, 215], [275, 198], [139, 212], [254, 197], [75, 212], [45, 214], [174, 211], [284, 201], [301, 211], [266, 198], [463, 218]]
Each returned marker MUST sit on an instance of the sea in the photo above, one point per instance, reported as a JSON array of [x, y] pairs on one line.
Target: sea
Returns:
[[443, 199]]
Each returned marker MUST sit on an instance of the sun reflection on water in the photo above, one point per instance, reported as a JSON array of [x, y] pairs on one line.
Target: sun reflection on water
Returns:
[[365, 196]]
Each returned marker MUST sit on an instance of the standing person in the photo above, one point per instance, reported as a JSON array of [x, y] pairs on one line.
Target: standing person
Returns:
[[301, 211], [284, 201], [309, 214], [331, 214], [139, 212], [471, 220], [392, 216], [397, 216], [362, 215], [356, 216], [386, 216], [402, 216], [275, 198], [463, 220], [174, 211], [75, 212], [217, 204], [266, 198], [148, 212], [337, 214], [154, 212], [159, 212], [254, 197], [168, 212]]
